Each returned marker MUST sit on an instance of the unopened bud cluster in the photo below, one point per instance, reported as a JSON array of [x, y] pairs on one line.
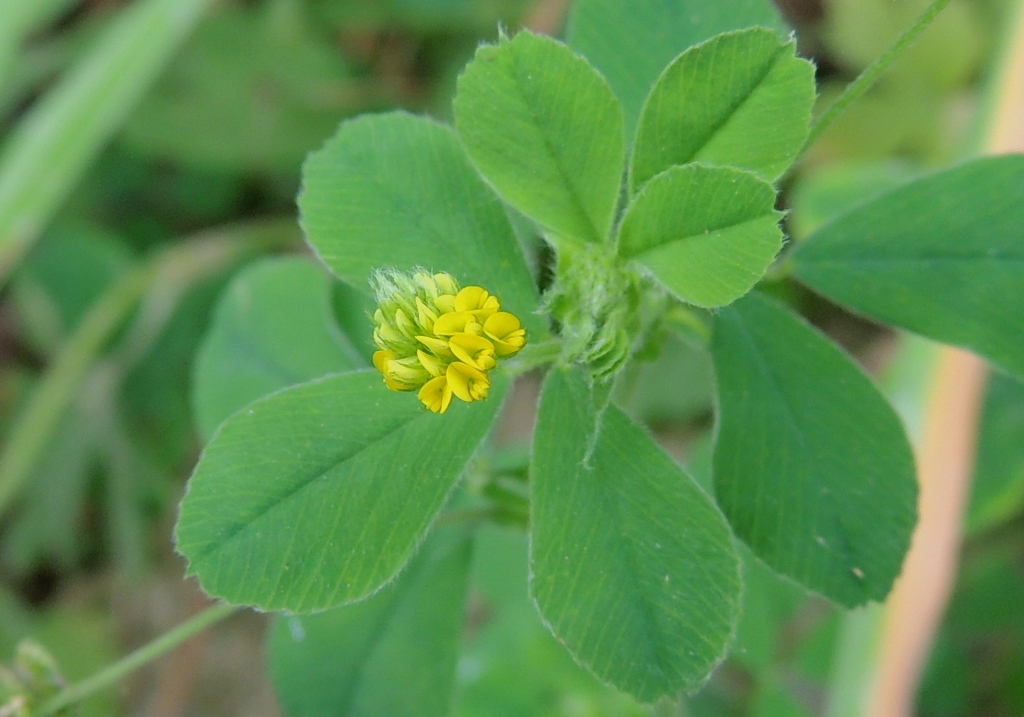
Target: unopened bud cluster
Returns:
[[596, 302], [438, 338]]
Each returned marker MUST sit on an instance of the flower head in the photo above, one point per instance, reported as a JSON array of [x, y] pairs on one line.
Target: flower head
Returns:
[[439, 338]]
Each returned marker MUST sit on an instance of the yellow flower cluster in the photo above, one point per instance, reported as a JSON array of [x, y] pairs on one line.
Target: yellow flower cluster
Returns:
[[439, 338]]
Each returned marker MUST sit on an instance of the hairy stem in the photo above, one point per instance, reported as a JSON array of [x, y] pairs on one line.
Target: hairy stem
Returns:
[[114, 672], [534, 356]]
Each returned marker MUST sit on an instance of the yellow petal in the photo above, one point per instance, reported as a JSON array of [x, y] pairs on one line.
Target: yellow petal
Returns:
[[467, 382], [445, 303], [436, 394], [453, 323], [426, 282], [473, 350], [407, 371], [438, 346], [506, 332], [470, 298], [501, 324], [425, 314], [380, 360], [477, 300], [405, 324], [434, 365], [510, 345], [446, 283], [386, 333]]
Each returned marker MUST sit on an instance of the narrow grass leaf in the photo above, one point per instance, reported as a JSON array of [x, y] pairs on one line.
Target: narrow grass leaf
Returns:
[[53, 144]]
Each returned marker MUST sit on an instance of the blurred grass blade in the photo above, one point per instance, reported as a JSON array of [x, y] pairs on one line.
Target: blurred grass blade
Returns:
[[38, 64], [57, 139], [23, 17], [166, 276], [20, 18]]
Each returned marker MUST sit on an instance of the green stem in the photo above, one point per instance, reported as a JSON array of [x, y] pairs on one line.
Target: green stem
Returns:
[[869, 76], [114, 672], [688, 322], [534, 356], [179, 266]]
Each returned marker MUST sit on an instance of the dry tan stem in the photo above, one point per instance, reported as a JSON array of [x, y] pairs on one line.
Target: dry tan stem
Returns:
[[1007, 132], [945, 464]]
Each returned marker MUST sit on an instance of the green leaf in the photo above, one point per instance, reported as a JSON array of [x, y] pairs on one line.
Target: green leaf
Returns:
[[517, 666], [677, 385], [317, 495], [997, 491], [395, 190], [273, 328], [391, 654], [741, 99], [707, 233], [811, 464], [631, 41], [941, 257], [353, 311], [770, 605], [546, 130], [822, 193], [633, 566]]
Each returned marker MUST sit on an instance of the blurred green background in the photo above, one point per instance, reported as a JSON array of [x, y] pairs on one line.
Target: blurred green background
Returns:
[[150, 149]]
